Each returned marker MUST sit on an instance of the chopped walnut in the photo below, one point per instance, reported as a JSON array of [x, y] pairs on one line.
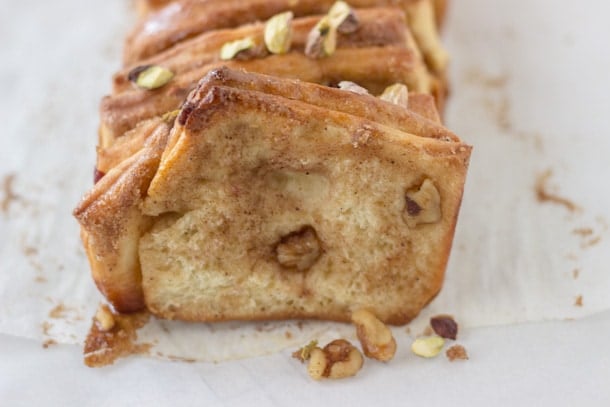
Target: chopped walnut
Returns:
[[423, 205], [444, 326], [299, 250], [375, 337], [339, 359]]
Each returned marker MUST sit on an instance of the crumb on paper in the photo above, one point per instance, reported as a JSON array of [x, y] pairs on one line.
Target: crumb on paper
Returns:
[[58, 312], [427, 331], [105, 347], [173, 358], [576, 273], [48, 343], [30, 251], [578, 302], [288, 335], [9, 195], [591, 242], [476, 76], [583, 232], [46, 327], [543, 193], [456, 352], [588, 237]]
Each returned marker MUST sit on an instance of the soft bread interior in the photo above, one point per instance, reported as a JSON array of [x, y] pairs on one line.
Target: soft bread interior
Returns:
[[252, 172]]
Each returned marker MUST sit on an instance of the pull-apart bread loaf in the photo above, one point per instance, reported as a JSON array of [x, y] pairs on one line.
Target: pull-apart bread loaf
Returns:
[[246, 180], [271, 198]]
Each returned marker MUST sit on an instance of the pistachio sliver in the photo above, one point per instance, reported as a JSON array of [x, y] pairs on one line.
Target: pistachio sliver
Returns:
[[343, 18], [150, 76], [353, 87], [231, 49], [278, 33], [322, 39], [397, 94]]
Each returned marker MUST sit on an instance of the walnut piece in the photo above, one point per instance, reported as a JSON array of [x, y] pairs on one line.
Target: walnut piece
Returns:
[[339, 359], [375, 337], [423, 205], [444, 326], [299, 250]]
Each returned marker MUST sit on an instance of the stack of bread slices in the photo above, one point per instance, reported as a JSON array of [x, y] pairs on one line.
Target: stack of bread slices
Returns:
[[276, 159]]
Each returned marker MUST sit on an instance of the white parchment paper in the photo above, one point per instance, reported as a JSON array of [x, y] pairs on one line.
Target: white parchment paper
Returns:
[[530, 91]]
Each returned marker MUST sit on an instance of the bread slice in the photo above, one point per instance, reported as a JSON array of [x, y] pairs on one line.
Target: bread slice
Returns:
[[184, 19], [419, 103], [374, 68], [381, 26], [269, 208], [111, 215]]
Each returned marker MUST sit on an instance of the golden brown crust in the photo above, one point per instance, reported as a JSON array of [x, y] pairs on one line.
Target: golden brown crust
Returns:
[[377, 27], [331, 98], [111, 222], [374, 68], [146, 7], [440, 11]]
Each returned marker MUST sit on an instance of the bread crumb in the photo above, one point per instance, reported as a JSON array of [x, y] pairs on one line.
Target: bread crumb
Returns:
[[9, 194], [584, 232], [49, 342], [487, 81], [58, 312], [544, 195], [576, 273], [578, 302], [456, 352], [591, 242], [104, 348], [427, 331]]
